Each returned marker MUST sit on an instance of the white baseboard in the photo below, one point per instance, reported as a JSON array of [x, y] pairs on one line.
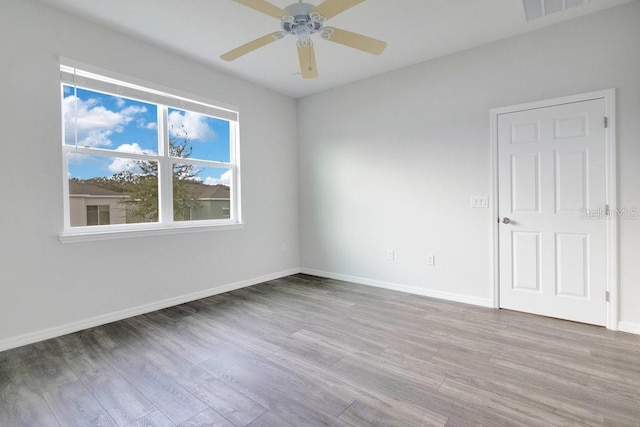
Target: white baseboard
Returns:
[[45, 334], [632, 328], [449, 296]]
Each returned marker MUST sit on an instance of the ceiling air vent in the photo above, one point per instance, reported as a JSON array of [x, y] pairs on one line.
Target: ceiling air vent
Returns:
[[534, 9]]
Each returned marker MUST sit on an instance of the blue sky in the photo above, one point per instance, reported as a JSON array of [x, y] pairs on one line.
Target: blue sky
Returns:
[[128, 126]]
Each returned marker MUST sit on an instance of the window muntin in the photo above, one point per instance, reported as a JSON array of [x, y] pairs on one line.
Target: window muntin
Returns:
[[122, 153]]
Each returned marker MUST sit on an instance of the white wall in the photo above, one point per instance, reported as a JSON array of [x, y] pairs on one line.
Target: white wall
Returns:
[[44, 284], [390, 162]]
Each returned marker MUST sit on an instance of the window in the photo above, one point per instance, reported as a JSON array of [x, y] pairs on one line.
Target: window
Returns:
[[98, 215], [137, 158]]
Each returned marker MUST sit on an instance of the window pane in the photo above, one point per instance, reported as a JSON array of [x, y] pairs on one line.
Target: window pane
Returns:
[[204, 195], [198, 136], [98, 215], [111, 190], [92, 215], [109, 122], [104, 217]]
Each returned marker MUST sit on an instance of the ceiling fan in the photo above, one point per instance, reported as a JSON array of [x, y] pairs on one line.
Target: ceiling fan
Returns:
[[302, 20]]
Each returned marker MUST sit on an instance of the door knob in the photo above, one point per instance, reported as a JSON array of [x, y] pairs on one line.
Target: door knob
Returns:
[[506, 220]]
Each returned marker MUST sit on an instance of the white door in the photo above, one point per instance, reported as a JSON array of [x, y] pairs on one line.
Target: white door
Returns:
[[552, 207]]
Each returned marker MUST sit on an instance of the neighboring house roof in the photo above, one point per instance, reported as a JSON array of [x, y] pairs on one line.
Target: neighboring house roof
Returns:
[[80, 188], [203, 191]]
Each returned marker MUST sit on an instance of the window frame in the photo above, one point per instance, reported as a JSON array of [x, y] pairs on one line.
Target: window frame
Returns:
[[105, 82]]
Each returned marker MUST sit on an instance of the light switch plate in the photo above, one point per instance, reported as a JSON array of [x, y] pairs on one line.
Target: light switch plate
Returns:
[[480, 202]]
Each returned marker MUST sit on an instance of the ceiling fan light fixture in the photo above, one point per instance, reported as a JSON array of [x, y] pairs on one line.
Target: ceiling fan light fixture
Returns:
[[315, 16], [326, 33]]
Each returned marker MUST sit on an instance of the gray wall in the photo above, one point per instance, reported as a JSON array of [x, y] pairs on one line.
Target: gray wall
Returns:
[[45, 284], [390, 162]]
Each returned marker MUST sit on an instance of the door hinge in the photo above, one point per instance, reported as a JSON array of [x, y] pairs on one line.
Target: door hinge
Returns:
[[607, 211], [606, 296], [606, 122]]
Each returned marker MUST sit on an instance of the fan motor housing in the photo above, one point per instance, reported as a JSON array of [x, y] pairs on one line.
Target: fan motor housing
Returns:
[[301, 21]]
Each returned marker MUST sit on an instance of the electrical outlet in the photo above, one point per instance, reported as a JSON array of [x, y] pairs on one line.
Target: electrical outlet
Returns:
[[390, 255], [431, 259]]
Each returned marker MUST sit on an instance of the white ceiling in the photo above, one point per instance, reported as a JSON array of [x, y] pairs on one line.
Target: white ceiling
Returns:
[[416, 31]]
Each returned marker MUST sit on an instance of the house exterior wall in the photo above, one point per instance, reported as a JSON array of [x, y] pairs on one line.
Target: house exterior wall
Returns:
[[78, 209], [211, 209]]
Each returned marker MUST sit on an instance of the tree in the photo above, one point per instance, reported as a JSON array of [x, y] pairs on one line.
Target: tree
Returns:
[[185, 196], [143, 187]]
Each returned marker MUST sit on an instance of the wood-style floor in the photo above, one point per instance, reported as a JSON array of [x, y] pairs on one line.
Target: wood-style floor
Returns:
[[308, 351]]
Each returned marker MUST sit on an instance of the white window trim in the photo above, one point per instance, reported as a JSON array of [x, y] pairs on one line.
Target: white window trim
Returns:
[[93, 78], [99, 232]]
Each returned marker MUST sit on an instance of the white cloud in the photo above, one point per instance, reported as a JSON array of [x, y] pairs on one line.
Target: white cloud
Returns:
[[225, 179], [120, 102], [132, 110], [118, 165], [193, 123], [77, 158], [94, 123], [143, 124]]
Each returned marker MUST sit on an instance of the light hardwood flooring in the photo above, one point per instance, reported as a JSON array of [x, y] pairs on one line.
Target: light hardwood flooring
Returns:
[[308, 351]]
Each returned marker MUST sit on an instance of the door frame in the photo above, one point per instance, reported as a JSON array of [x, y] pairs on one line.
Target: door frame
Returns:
[[609, 96]]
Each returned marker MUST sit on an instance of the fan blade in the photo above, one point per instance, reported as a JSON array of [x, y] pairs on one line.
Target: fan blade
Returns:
[[330, 8], [264, 7], [354, 40], [252, 45], [307, 56]]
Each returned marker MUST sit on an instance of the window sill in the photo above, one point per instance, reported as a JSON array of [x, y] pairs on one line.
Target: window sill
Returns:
[[104, 234]]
